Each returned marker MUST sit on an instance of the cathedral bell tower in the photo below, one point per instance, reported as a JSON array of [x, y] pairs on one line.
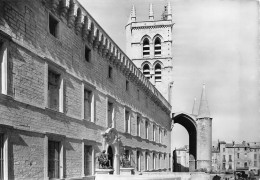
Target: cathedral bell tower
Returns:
[[149, 45]]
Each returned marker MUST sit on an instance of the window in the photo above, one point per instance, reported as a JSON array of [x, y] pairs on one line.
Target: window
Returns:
[[1, 156], [127, 154], [55, 91], [157, 47], [146, 71], [158, 73], [223, 149], [87, 104], [3, 67], [255, 156], [154, 132], [138, 160], [138, 126], [146, 130], [53, 159], [53, 26], [160, 136], [110, 114], [154, 161], [110, 72], [229, 166], [127, 121], [230, 158], [224, 158], [238, 155], [224, 166], [245, 164], [127, 85], [87, 160], [146, 48], [87, 54], [255, 163], [146, 161]]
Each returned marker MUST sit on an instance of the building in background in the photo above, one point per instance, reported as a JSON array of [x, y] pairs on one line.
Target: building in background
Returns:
[[69, 92], [238, 156], [181, 159]]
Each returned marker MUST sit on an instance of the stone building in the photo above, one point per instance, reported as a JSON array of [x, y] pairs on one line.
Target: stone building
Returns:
[[68, 92], [149, 44], [238, 156], [181, 159]]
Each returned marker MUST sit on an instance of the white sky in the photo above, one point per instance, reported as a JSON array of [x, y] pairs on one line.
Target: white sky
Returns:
[[215, 42]]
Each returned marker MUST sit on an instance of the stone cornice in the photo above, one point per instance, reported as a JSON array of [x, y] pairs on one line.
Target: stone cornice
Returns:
[[86, 26]]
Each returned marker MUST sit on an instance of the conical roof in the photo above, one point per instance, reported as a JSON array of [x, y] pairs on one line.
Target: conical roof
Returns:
[[203, 108]]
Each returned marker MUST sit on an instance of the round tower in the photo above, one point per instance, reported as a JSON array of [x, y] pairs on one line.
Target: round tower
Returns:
[[204, 134]]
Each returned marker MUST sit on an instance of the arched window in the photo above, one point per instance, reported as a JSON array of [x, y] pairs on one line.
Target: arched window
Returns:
[[146, 71], [158, 73], [157, 47], [146, 48]]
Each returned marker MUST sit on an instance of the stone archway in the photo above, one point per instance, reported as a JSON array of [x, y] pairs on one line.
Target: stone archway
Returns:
[[111, 146], [189, 123]]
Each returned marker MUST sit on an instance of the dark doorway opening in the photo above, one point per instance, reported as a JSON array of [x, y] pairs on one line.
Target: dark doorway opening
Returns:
[[110, 156]]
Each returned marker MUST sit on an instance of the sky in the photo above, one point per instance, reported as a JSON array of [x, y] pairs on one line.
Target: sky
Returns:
[[214, 42]]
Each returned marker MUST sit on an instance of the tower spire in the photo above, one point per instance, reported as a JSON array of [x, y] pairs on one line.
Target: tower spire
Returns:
[[132, 17], [203, 108], [133, 14], [151, 16], [194, 106], [169, 11]]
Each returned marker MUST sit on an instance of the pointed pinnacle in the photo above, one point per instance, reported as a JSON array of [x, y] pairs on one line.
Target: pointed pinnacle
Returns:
[[203, 108]]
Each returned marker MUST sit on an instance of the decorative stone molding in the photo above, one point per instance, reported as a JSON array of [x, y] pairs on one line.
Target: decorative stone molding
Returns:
[[78, 18]]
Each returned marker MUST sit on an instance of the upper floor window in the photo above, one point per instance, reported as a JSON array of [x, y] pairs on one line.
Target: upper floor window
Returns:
[[3, 68], [138, 126], [154, 132], [87, 104], [87, 54], [110, 72], [146, 129], [154, 161], [127, 121], [54, 91], [110, 114], [127, 85], [158, 73], [157, 47], [160, 136], [146, 48], [146, 71], [53, 26]]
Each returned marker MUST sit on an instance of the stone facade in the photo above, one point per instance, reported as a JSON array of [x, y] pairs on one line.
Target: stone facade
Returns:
[[237, 156], [64, 82], [149, 45]]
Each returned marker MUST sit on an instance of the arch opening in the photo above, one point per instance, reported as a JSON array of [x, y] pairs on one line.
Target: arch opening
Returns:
[[189, 123], [146, 47]]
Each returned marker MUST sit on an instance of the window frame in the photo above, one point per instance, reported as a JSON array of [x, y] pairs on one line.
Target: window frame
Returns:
[[146, 48], [88, 87], [138, 125], [53, 69], [110, 72], [159, 49], [127, 120], [4, 53], [87, 54], [57, 28], [57, 138]]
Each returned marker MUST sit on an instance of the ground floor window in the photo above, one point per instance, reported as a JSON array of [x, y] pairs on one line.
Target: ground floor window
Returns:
[[87, 160], [53, 159]]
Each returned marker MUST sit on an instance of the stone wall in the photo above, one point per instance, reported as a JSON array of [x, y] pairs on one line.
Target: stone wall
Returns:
[[32, 50]]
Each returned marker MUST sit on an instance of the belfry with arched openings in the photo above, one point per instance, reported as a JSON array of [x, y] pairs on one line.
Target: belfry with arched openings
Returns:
[[149, 44]]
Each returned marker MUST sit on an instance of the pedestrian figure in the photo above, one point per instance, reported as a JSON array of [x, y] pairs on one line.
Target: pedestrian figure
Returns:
[[251, 175]]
